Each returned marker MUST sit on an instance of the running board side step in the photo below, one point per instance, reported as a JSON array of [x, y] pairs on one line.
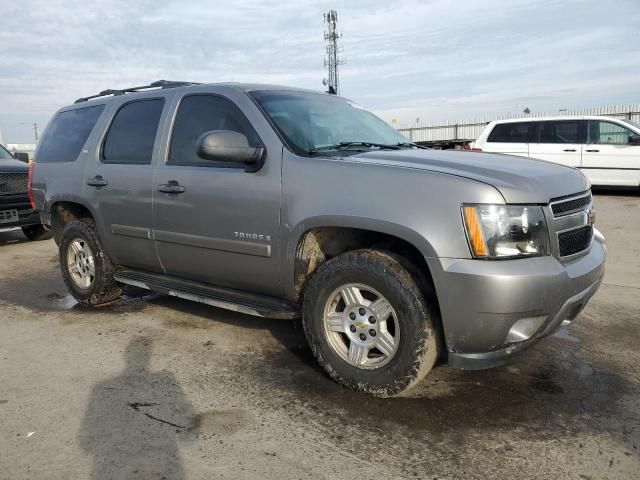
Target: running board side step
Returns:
[[227, 298]]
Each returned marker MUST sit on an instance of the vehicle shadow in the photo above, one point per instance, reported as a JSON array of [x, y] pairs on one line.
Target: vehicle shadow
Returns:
[[12, 236], [134, 421]]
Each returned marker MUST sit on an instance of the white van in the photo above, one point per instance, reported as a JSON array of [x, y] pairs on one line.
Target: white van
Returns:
[[606, 149]]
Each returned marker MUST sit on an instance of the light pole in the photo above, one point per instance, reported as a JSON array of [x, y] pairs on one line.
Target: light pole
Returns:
[[35, 130]]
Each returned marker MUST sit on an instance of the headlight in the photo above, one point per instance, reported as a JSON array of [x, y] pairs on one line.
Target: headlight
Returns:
[[500, 231]]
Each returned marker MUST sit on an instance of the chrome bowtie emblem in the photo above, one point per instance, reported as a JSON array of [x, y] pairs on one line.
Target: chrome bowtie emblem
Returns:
[[589, 217]]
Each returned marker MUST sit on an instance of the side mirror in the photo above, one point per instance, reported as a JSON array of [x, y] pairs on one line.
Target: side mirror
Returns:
[[22, 156], [230, 147], [634, 139]]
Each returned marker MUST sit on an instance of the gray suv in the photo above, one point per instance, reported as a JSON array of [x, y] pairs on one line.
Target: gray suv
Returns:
[[286, 203]]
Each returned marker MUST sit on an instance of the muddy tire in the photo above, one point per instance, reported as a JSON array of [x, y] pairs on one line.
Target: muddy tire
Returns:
[[368, 324], [86, 268], [37, 232]]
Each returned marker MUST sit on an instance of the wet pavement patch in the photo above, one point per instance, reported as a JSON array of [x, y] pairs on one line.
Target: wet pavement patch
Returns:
[[47, 292], [221, 422], [565, 335], [548, 391]]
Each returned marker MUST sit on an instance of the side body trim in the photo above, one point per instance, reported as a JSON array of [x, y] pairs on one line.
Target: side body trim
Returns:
[[223, 244], [128, 231]]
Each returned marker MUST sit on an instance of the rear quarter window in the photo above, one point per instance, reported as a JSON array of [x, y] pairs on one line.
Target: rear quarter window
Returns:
[[66, 135], [520, 132]]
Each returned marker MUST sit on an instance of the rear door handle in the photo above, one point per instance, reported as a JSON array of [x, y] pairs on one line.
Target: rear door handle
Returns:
[[97, 181], [172, 187], [592, 150], [569, 150]]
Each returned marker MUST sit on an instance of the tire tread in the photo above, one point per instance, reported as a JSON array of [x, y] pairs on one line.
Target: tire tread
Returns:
[[105, 289], [418, 319]]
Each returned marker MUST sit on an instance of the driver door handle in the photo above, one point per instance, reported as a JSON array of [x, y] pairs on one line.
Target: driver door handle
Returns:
[[592, 150], [172, 187], [97, 181], [569, 150]]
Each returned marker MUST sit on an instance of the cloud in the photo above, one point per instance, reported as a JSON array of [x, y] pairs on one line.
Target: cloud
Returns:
[[434, 59]]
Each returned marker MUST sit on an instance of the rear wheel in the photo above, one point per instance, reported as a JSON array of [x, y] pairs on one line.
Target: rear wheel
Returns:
[[37, 232], [86, 268], [368, 323]]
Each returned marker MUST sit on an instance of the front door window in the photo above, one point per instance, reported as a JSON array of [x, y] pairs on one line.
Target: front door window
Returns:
[[608, 133]]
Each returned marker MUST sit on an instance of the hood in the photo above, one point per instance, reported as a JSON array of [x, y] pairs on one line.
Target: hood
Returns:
[[12, 166], [519, 179]]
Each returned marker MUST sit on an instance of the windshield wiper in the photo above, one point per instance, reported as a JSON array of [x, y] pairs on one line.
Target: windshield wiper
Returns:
[[411, 144], [345, 145]]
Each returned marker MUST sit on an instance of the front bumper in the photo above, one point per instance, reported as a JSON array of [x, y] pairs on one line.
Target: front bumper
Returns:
[[480, 301], [25, 218], [20, 202]]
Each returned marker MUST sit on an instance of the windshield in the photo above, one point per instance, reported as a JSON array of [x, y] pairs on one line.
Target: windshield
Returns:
[[4, 154], [313, 121], [636, 125]]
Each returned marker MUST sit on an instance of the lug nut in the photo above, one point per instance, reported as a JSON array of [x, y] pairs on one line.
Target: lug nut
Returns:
[[372, 332], [352, 316], [372, 319], [362, 311], [363, 337], [353, 328]]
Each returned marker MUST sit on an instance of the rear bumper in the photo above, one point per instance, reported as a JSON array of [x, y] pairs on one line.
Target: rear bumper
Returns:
[[492, 310]]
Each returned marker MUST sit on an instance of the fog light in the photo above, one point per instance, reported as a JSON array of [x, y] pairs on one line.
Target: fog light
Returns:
[[525, 328]]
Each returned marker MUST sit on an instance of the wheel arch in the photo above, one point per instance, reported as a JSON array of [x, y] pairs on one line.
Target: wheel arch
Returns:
[[319, 239], [62, 210]]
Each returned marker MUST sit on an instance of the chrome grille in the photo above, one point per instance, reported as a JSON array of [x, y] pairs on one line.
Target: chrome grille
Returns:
[[13, 183], [572, 224], [571, 205], [575, 241]]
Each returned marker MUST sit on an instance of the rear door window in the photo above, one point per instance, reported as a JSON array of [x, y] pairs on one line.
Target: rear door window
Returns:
[[517, 132], [132, 133], [66, 135], [563, 131], [608, 133]]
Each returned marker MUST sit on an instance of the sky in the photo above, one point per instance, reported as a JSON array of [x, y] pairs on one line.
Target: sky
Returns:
[[434, 60]]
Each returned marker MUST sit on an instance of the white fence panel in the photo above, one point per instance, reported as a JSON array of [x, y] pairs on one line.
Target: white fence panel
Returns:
[[470, 128]]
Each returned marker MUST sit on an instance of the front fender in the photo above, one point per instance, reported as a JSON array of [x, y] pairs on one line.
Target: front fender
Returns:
[[362, 223], [300, 230]]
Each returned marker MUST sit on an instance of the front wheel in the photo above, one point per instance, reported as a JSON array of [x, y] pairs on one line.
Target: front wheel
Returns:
[[86, 268], [368, 323]]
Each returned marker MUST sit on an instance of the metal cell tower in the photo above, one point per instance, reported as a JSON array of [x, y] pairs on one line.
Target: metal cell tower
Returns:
[[333, 60]]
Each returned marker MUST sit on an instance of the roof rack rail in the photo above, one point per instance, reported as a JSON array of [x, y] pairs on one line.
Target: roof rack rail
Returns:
[[160, 84]]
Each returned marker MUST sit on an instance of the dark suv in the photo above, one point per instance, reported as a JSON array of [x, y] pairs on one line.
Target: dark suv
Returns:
[[282, 202], [17, 209]]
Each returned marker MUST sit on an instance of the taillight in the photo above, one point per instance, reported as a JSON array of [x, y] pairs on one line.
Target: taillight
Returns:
[[32, 198]]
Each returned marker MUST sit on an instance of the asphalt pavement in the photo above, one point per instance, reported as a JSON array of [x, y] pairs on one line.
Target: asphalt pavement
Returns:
[[158, 387]]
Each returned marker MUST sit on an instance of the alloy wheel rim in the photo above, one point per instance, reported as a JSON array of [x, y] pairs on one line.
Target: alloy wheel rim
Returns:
[[361, 326], [80, 263]]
